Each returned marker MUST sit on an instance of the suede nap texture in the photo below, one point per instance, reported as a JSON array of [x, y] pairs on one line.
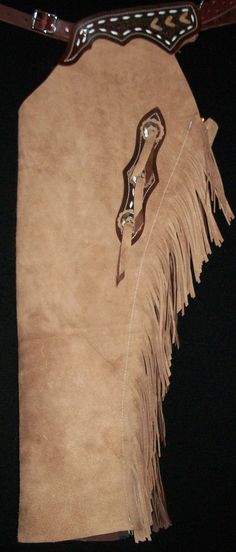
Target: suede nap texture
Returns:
[[87, 463]]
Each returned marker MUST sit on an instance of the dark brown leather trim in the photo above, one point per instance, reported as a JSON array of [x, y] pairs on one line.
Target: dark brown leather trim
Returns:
[[152, 119], [169, 26]]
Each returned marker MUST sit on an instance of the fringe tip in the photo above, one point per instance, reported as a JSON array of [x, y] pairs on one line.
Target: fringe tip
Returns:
[[181, 247]]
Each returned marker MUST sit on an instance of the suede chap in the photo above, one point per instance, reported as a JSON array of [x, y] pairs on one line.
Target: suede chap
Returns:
[[94, 356]]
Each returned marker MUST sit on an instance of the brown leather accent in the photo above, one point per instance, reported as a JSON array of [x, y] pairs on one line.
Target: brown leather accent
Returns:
[[136, 167], [216, 13], [154, 24], [150, 22], [43, 23]]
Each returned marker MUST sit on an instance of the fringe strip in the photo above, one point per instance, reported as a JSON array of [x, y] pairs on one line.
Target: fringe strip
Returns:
[[182, 245]]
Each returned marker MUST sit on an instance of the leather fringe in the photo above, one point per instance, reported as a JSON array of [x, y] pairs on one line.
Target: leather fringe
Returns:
[[182, 245]]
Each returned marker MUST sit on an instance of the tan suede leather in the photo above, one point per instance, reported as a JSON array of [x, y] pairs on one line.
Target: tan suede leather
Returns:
[[94, 356]]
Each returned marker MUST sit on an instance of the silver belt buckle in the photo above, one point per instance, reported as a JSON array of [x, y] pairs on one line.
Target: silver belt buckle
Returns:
[[44, 22]]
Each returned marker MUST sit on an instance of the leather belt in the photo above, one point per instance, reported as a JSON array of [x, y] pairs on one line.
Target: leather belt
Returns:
[[169, 25], [39, 22]]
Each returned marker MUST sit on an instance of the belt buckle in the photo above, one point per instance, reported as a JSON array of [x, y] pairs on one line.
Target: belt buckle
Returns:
[[44, 22]]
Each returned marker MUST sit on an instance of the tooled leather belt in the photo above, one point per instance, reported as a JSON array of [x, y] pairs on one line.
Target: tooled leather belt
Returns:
[[170, 26]]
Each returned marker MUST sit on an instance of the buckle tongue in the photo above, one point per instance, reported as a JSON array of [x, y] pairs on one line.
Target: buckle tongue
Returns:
[[44, 22]]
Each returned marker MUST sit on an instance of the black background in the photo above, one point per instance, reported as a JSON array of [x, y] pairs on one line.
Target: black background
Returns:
[[198, 463]]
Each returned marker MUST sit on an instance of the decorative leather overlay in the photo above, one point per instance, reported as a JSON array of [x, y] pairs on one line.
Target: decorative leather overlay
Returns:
[[140, 175], [168, 26]]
